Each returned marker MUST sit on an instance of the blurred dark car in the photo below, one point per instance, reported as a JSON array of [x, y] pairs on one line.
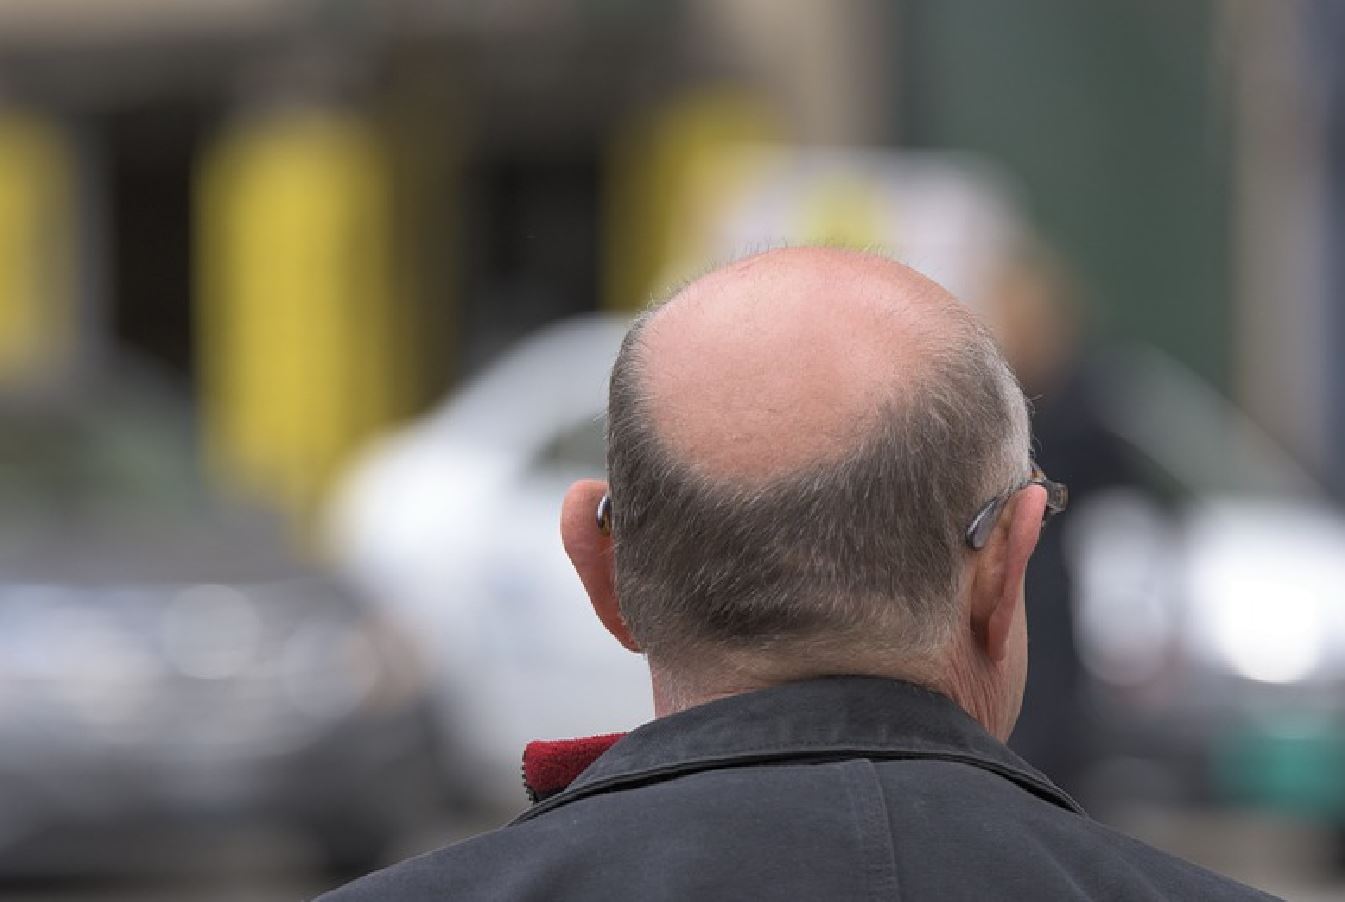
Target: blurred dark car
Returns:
[[167, 665], [1211, 613]]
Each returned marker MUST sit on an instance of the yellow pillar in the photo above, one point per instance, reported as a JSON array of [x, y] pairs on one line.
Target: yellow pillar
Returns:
[[37, 248], [299, 323]]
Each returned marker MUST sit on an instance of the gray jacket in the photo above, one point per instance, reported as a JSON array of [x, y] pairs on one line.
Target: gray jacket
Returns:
[[834, 789]]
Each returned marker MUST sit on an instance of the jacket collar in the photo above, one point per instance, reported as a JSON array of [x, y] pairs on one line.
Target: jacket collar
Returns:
[[836, 717]]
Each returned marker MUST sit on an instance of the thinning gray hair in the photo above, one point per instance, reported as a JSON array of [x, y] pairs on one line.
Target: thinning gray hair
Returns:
[[867, 548]]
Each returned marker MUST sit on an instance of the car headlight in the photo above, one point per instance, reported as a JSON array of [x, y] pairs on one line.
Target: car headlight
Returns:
[[1264, 582], [1266, 626]]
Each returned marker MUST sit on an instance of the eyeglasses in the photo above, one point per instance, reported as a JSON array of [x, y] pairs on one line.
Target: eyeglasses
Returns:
[[1057, 497]]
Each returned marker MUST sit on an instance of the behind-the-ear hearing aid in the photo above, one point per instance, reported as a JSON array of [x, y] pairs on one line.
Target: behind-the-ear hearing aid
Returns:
[[604, 515]]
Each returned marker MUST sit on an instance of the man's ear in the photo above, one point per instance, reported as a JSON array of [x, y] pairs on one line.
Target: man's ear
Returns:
[[590, 551], [997, 588]]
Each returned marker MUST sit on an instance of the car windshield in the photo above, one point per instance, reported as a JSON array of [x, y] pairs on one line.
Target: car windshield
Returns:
[[581, 446], [1197, 442]]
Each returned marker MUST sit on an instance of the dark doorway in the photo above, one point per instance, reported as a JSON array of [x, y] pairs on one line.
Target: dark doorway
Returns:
[[530, 246], [150, 157]]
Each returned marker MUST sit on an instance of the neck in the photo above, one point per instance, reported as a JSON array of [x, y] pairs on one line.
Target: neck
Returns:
[[967, 680], [675, 691], [679, 688]]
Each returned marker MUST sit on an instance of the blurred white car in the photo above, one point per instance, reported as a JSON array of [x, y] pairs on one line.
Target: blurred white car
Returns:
[[454, 523]]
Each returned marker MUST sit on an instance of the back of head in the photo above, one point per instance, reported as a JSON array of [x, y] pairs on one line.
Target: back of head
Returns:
[[796, 444]]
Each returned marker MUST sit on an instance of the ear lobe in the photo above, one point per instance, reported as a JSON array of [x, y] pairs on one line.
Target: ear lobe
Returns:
[[590, 551], [999, 576]]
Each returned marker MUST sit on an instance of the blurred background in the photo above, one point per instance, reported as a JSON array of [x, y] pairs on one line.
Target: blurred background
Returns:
[[306, 308]]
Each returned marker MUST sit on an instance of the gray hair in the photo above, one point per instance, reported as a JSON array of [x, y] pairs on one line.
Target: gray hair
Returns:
[[867, 548]]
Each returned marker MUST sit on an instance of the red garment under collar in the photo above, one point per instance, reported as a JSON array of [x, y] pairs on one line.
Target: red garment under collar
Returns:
[[551, 765]]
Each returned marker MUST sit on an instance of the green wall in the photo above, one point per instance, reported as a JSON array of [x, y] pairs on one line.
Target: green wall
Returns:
[[1114, 115]]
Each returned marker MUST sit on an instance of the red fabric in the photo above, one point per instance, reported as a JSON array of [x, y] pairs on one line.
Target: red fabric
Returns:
[[551, 765]]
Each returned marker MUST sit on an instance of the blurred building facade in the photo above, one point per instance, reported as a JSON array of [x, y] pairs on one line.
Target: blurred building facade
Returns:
[[320, 214]]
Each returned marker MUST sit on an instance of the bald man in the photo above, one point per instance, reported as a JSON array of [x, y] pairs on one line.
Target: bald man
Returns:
[[820, 510]]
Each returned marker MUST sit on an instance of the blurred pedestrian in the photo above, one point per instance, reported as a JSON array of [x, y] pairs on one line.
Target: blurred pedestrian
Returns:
[[820, 512], [1041, 327]]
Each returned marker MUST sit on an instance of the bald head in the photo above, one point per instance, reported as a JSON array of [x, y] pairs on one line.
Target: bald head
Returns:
[[784, 359], [796, 443]]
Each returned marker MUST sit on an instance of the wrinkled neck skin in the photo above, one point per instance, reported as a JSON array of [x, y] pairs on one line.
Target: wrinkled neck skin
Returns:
[[972, 682]]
